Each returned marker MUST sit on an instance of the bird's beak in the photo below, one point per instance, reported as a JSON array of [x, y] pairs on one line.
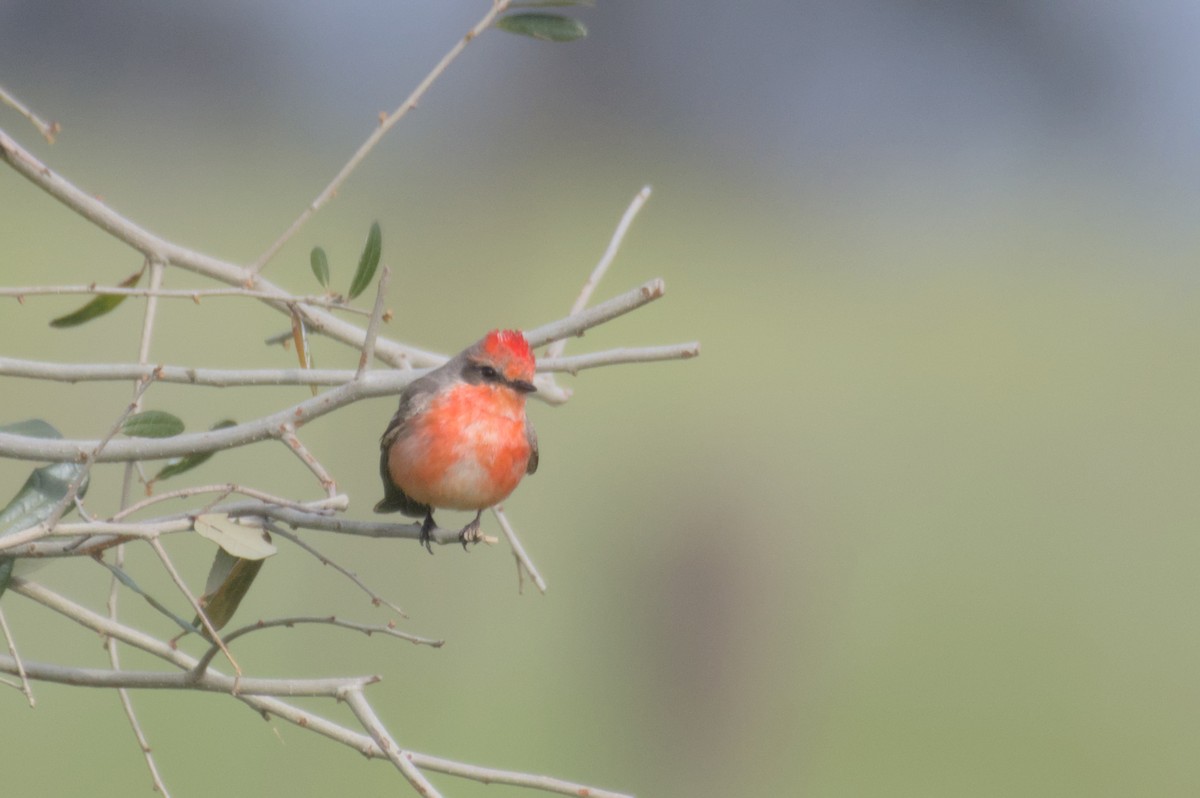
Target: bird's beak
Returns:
[[523, 386]]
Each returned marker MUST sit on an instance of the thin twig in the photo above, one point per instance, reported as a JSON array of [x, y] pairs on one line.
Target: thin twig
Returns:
[[368, 348], [183, 588], [25, 687], [338, 502], [385, 124], [606, 260], [194, 294], [330, 620], [376, 599], [132, 468], [49, 130], [139, 735], [68, 498], [523, 560], [577, 323], [287, 434]]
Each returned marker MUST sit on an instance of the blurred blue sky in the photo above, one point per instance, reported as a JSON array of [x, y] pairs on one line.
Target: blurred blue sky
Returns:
[[799, 86]]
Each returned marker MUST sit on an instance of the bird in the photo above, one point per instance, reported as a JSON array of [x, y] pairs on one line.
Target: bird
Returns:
[[461, 439]]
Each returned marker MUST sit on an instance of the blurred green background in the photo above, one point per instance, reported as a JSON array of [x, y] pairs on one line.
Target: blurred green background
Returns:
[[919, 521]]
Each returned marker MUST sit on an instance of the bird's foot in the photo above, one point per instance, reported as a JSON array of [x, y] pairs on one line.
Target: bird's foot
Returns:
[[427, 528], [470, 533]]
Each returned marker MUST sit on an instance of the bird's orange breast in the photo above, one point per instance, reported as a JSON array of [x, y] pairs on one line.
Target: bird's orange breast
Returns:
[[467, 451]]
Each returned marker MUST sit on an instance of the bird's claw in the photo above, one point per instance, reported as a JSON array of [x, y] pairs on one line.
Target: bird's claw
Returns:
[[426, 538], [469, 534]]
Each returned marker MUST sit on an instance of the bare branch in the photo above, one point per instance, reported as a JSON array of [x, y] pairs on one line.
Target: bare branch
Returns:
[[49, 130], [353, 577], [362, 710], [606, 260], [338, 502], [301, 718], [194, 294], [331, 620], [611, 357], [605, 311], [195, 602], [227, 378], [25, 448], [209, 681], [287, 434], [19, 666], [68, 498], [523, 560], [385, 124]]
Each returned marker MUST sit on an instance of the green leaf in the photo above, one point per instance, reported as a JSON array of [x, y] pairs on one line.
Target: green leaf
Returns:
[[229, 581], [32, 428], [6, 572], [180, 465], [152, 424], [105, 303], [368, 263], [547, 27], [320, 266], [40, 494], [36, 499], [127, 580]]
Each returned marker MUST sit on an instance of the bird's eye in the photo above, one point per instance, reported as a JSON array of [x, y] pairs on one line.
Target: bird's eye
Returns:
[[488, 373]]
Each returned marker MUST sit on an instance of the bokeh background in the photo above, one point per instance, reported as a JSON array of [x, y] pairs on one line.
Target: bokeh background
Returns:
[[921, 520]]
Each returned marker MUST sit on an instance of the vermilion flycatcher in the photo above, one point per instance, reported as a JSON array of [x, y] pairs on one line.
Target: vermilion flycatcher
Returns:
[[461, 439]]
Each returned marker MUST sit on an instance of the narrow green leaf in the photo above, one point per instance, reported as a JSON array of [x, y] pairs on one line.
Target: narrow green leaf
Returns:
[[547, 27], [31, 428], [368, 263], [320, 266], [229, 581], [180, 465], [105, 303], [152, 424], [127, 580], [6, 572]]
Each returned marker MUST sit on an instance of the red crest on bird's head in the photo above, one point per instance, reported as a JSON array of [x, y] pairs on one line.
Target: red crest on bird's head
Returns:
[[511, 354]]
